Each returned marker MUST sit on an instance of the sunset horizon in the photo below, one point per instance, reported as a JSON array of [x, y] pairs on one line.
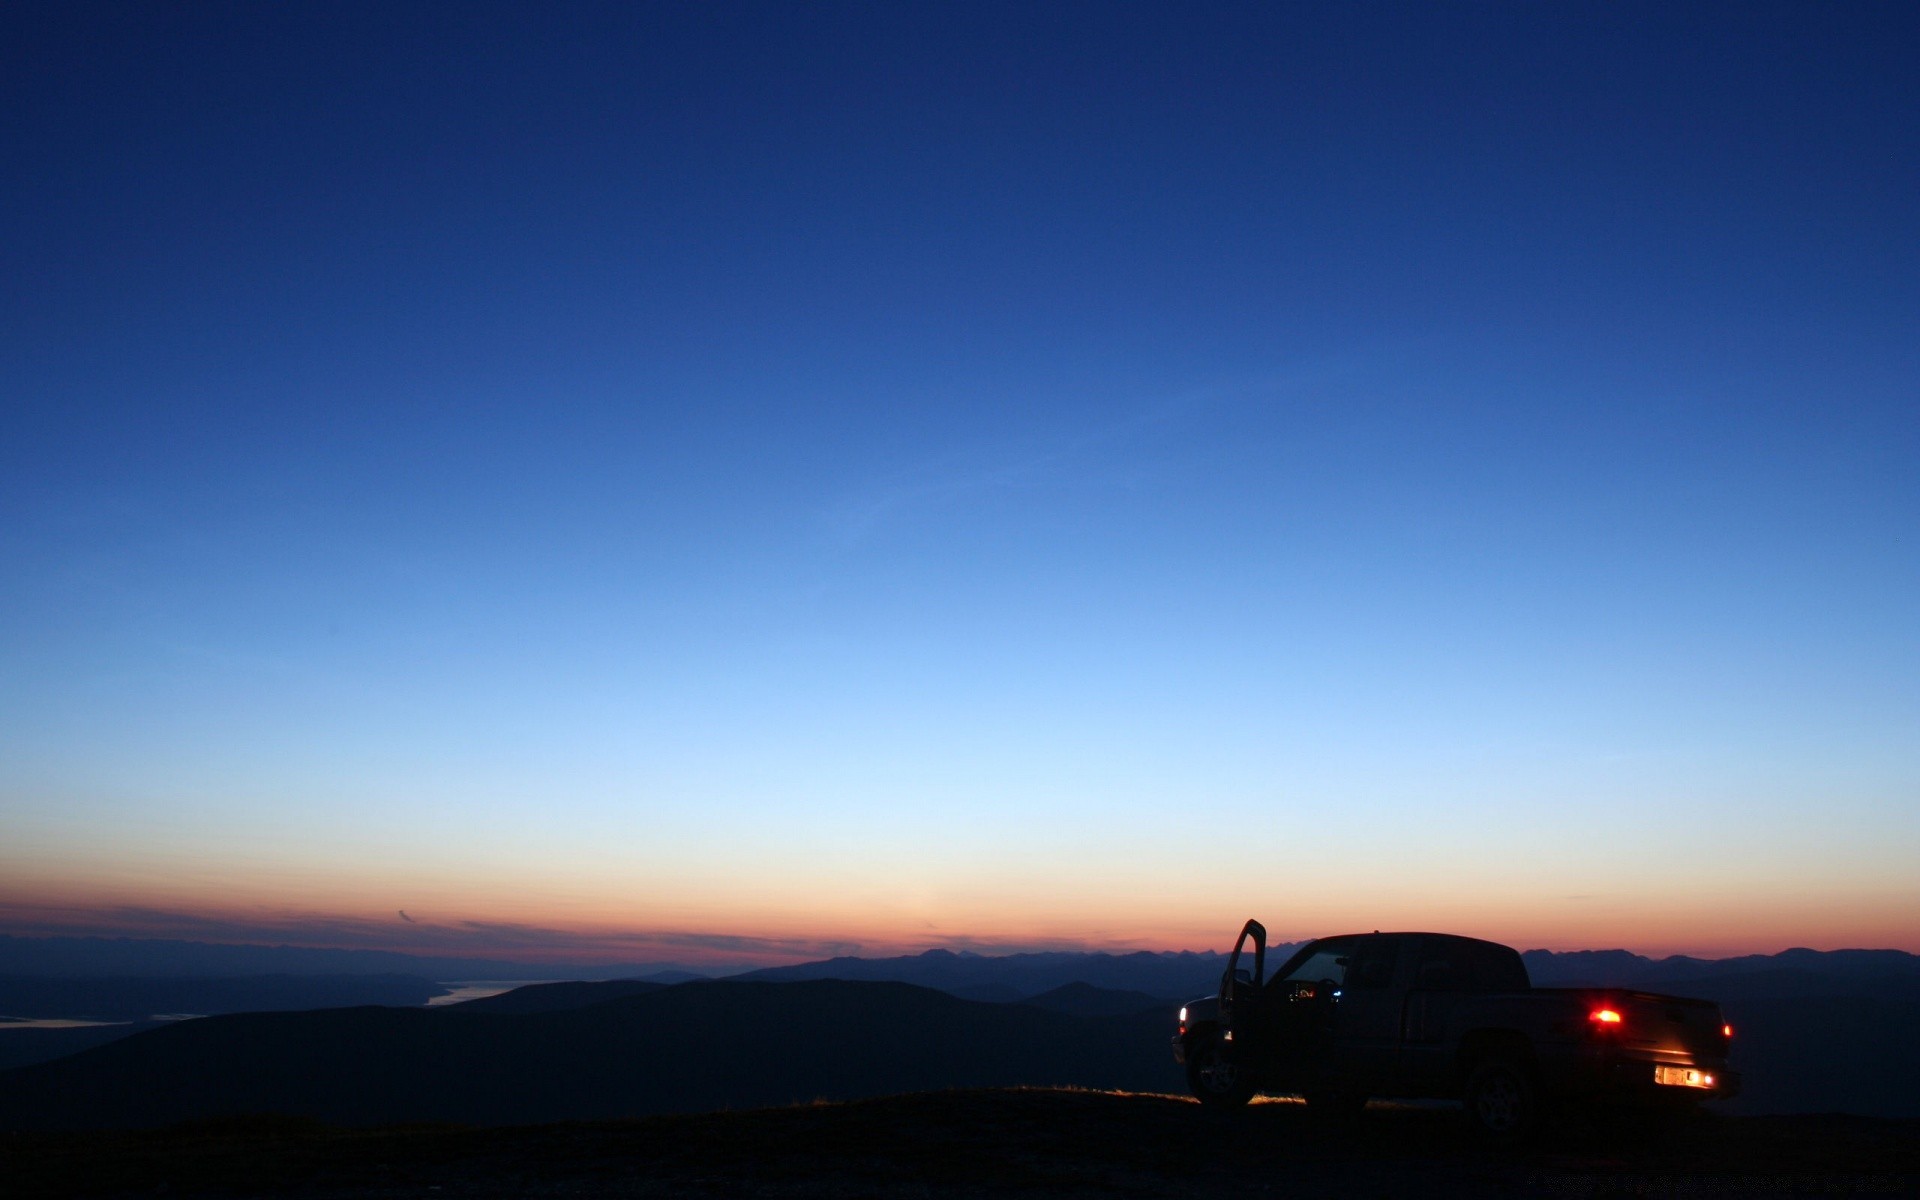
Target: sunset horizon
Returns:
[[751, 945]]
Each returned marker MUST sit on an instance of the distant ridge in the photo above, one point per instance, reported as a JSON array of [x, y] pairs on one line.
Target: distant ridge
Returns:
[[106, 998], [559, 997], [1166, 975], [1623, 968], [1186, 974], [1162, 975]]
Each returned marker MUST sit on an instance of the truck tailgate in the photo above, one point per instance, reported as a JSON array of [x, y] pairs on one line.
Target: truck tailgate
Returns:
[[1662, 1028]]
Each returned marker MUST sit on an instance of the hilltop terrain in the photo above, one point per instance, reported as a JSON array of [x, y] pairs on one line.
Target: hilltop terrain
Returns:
[[1002, 1144]]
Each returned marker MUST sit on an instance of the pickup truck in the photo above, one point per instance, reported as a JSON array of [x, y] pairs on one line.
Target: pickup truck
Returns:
[[1434, 1016]]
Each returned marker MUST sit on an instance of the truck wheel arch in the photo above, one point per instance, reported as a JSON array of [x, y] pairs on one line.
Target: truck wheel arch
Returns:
[[1482, 1045]]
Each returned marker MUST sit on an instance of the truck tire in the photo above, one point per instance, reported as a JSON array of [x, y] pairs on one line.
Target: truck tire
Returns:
[[1213, 1076], [1500, 1101]]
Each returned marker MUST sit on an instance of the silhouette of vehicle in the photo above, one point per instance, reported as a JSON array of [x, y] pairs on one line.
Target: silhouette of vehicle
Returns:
[[1434, 1016]]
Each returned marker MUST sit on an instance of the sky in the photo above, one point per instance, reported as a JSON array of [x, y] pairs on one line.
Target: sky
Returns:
[[735, 483]]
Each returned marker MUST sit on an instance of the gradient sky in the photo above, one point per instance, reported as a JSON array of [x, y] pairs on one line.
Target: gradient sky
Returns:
[[731, 483]]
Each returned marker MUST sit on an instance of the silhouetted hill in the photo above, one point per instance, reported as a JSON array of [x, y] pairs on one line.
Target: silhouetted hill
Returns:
[[19, 1047], [130, 1004], [559, 997], [1832, 1053], [992, 993], [1184, 975], [1085, 1000], [137, 999], [687, 1048]]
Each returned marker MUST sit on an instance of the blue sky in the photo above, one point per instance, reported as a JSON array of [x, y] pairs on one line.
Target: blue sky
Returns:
[[910, 474]]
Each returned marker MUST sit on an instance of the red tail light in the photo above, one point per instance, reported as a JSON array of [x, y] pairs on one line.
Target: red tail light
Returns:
[[1604, 1017], [1726, 1031]]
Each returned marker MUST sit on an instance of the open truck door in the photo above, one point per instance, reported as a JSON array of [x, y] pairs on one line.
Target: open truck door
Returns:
[[1240, 985], [1219, 1074]]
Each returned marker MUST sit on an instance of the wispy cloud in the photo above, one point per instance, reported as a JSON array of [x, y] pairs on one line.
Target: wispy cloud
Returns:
[[1129, 444], [1096, 451], [419, 934]]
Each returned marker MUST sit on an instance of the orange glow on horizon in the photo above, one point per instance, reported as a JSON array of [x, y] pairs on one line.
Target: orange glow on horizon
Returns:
[[584, 928], [765, 904]]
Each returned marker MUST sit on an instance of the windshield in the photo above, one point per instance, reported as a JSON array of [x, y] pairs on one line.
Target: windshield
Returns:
[[1321, 960]]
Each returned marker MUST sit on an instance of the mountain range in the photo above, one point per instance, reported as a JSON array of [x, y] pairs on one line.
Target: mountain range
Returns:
[[1165, 974], [1815, 1031], [1009, 977]]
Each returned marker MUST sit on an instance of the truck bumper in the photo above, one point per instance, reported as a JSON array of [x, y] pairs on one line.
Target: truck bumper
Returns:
[[1647, 1080], [1179, 1050], [1655, 1079]]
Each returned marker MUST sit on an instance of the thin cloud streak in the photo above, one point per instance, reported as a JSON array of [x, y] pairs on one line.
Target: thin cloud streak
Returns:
[[420, 935], [503, 939], [953, 478], [1096, 451]]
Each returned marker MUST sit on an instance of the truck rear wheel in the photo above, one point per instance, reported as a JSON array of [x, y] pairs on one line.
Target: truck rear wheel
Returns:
[[1500, 1101], [1215, 1079]]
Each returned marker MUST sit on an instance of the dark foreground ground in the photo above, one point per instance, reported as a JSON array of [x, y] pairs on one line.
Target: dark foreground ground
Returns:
[[1007, 1143]]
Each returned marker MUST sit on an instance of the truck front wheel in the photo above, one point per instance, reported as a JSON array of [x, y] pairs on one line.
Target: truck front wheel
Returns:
[[1500, 1101], [1215, 1079]]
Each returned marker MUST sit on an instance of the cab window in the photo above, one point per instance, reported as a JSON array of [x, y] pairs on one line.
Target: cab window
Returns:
[[1440, 969], [1328, 961], [1371, 964]]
